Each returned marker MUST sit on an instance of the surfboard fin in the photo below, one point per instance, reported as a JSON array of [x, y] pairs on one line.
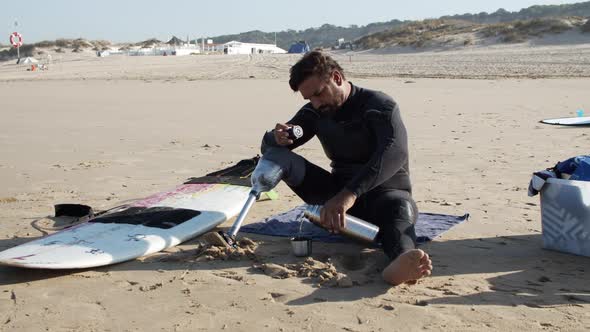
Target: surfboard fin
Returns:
[[269, 195]]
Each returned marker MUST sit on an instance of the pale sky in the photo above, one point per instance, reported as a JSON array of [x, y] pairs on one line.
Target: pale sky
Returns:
[[137, 20]]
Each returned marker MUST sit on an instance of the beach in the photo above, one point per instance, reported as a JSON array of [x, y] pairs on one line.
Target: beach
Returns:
[[101, 131]]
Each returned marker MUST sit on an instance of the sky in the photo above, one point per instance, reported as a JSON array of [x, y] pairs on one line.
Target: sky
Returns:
[[137, 20]]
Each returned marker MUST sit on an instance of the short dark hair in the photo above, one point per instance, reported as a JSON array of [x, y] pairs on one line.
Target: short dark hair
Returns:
[[313, 63]]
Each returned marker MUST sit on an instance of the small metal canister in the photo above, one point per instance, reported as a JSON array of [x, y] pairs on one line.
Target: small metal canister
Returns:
[[301, 246]]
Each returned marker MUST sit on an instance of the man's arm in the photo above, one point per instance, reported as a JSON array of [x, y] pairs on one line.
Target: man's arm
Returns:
[[305, 118], [391, 151]]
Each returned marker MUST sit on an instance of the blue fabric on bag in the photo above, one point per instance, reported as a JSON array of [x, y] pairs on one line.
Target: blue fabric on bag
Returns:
[[287, 224], [578, 167]]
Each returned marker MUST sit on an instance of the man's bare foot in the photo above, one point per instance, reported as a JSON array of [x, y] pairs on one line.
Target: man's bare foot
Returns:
[[408, 267]]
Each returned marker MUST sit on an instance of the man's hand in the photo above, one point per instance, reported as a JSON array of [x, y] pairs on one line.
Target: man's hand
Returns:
[[281, 134], [332, 215]]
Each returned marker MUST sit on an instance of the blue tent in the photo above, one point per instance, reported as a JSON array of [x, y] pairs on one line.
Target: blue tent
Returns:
[[299, 47]]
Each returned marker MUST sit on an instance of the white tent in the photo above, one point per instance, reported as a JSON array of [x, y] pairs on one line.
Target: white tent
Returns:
[[27, 61], [235, 47]]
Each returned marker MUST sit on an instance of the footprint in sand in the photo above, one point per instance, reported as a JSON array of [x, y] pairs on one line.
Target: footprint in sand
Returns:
[[5, 200], [351, 262], [275, 297], [229, 275]]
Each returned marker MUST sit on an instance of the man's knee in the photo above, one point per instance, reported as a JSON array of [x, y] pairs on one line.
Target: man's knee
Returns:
[[292, 164], [391, 208], [402, 209]]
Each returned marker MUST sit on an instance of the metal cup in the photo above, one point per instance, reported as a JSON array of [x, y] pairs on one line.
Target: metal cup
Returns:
[[301, 246]]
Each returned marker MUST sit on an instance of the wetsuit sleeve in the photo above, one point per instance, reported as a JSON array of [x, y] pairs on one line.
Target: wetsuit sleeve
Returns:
[[306, 118], [391, 152]]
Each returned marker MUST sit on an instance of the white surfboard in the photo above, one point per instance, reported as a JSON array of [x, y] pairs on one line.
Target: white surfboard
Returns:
[[147, 226], [577, 121]]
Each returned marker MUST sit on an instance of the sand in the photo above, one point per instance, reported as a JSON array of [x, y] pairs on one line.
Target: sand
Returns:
[[101, 131]]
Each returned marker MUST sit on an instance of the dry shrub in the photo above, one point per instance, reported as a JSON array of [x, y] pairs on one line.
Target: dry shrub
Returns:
[[45, 44], [63, 43], [417, 34], [11, 53], [81, 44], [513, 37], [520, 31]]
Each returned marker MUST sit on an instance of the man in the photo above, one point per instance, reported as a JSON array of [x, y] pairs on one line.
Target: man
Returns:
[[363, 135]]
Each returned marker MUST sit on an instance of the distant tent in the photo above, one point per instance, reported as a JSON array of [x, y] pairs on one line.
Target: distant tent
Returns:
[[148, 43], [299, 47], [175, 41], [27, 60]]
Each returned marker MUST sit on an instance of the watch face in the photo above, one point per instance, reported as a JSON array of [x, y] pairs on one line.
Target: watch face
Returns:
[[295, 132]]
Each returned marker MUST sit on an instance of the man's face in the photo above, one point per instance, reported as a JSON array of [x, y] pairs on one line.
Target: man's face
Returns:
[[325, 95]]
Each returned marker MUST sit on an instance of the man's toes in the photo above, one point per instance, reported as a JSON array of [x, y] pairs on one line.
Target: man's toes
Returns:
[[426, 267], [415, 255], [425, 259]]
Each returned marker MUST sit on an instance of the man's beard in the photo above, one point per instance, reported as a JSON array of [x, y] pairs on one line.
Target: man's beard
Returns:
[[335, 104], [327, 112], [328, 109]]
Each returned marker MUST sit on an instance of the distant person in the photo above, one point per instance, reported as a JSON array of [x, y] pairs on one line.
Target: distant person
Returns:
[[363, 135]]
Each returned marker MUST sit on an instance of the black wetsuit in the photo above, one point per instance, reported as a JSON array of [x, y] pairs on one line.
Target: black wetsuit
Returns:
[[367, 144]]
